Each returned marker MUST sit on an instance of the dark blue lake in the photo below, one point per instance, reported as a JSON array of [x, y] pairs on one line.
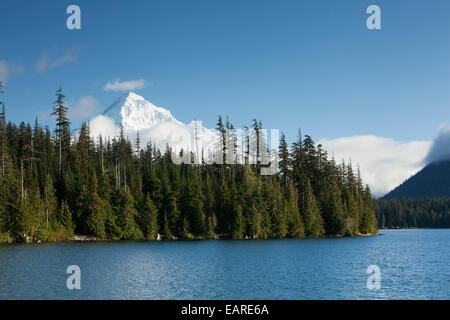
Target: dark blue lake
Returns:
[[414, 264]]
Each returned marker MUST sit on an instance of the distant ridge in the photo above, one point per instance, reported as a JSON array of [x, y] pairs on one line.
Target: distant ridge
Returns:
[[431, 181]]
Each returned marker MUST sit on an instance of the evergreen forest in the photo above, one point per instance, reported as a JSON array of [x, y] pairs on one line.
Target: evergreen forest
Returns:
[[55, 184]]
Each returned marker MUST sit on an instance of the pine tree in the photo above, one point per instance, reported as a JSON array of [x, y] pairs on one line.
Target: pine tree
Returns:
[[333, 210], [112, 230], [60, 111], [311, 213], [297, 156], [2, 133], [12, 218], [285, 160], [96, 218], [209, 226], [185, 234], [192, 208], [97, 211], [223, 205], [4, 227], [64, 216], [264, 210], [153, 187], [238, 223], [222, 142], [296, 228], [140, 191], [126, 212], [172, 215], [166, 228], [368, 222], [351, 225], [279, 212], [148, 216]]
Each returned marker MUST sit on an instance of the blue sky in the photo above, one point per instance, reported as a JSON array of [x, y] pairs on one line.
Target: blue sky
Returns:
[[291, 64], [309, 64]]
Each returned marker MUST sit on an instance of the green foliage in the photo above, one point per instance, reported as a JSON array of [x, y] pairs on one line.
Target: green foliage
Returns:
[[311, 213], [148, 216], [368, 219], [96, 217], [279, 210], [424, 212], [57, 234], [5, 238], [185, 234], [115, 189], [64, 216], [238, 223], [112, 230], [126, 212], [296, 229]]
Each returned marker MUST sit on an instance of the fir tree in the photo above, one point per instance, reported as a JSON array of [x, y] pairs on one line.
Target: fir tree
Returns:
[[60, 111], [296, 228], [311, 213], [285, 160], [127, 213], [148, 219], [64, 216], [115, 190], [238, 223]]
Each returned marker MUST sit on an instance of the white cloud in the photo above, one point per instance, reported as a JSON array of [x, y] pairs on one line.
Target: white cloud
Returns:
[[104, 126], [130, 85], [84, 107], [440, 150], [45, 63], [69, 56], [7, 70], [384, 162]]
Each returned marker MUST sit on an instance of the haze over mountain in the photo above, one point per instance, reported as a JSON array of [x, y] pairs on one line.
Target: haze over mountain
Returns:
[[434, 179], [386, 162], [440, 150]]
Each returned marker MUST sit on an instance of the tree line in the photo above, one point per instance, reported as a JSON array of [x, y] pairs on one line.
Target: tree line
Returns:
[[426, 212], [56, 184]]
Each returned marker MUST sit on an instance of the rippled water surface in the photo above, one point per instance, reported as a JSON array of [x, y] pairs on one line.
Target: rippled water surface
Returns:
[[415, 264]]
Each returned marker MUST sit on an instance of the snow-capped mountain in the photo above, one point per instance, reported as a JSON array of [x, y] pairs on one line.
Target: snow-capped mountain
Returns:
[[154, 124], [136, 113]]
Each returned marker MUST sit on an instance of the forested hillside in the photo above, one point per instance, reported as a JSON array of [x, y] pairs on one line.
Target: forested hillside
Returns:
[[414, 213], [54, 185], [422, 201], [431, 181]]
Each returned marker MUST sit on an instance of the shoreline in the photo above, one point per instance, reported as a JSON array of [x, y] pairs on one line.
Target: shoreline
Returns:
[[83, 238], [86, 239]]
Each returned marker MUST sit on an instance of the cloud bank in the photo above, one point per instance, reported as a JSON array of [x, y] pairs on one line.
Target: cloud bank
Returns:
[[130, 85], [440, 150], [85, 106], [104, 126], [384, 162]]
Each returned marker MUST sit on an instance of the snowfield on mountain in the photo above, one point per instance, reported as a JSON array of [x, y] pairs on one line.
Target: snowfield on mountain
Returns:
[[155, 125]]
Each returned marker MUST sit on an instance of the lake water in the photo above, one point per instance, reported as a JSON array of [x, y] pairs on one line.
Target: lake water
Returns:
[[414, 264]]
